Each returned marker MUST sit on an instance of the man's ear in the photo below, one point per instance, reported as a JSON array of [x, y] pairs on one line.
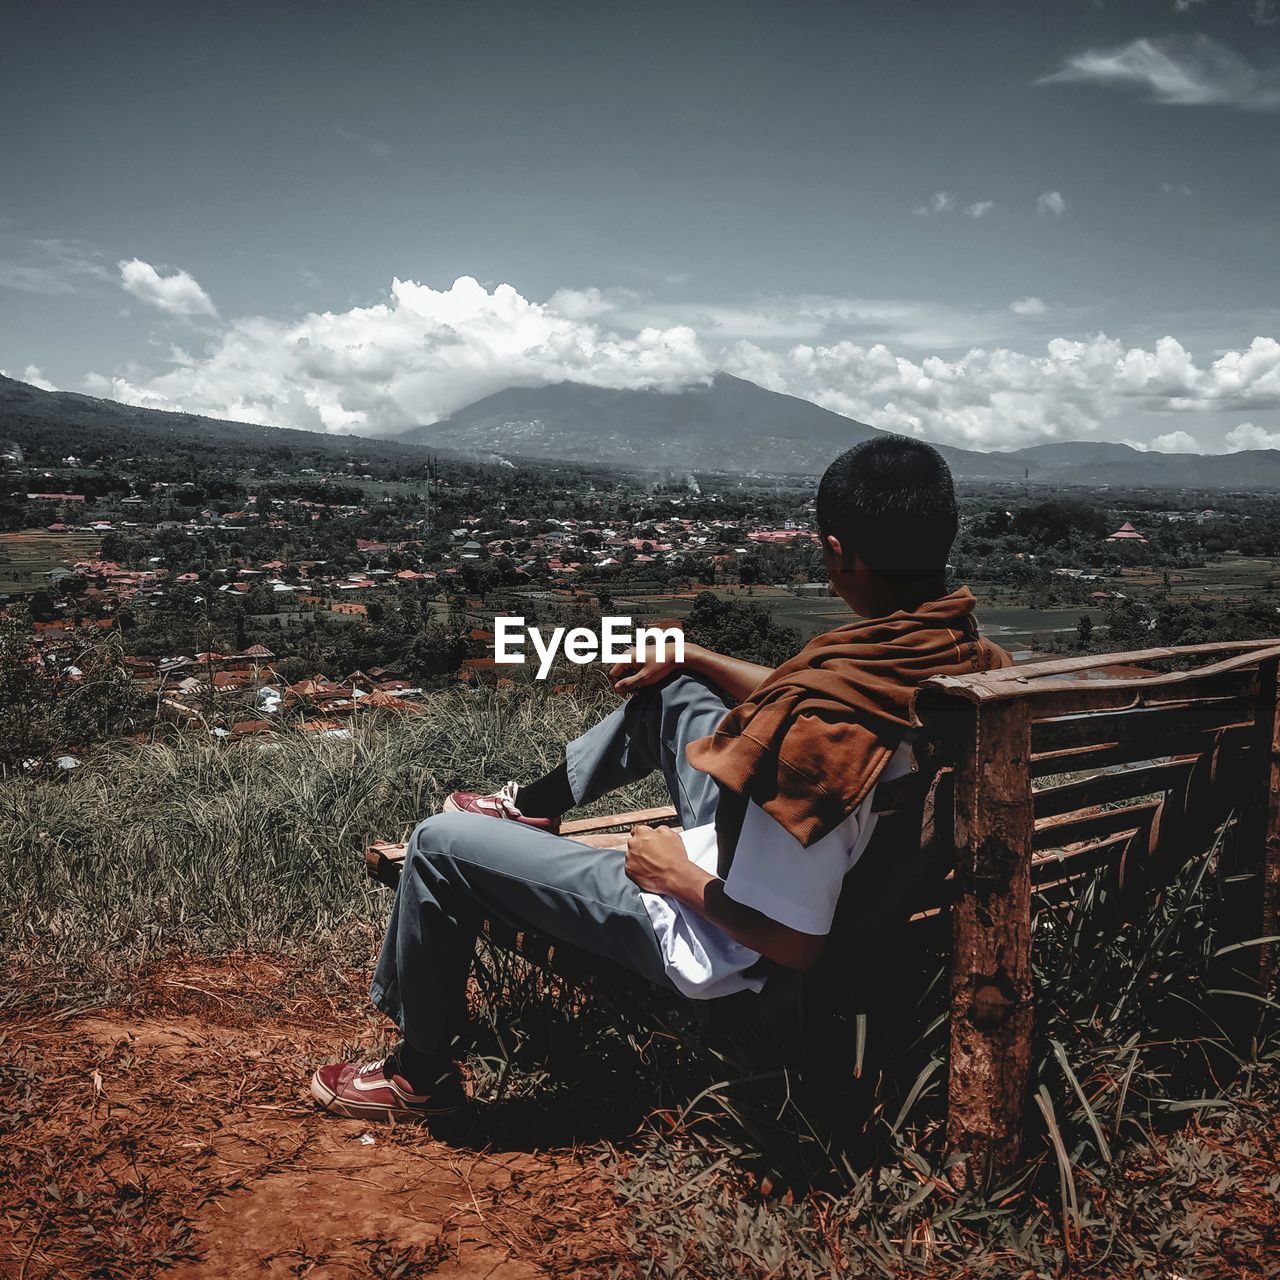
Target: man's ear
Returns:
[[831, 545]]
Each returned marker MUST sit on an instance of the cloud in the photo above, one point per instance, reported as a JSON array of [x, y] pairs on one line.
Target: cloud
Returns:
[[374, 146], [1029, 306], [939, 202], [1175, 188], [1247, 436], [54, 267], [1174, 442], [583, 304], [1178, 71], [1051, 204], [412, 358], [421, 353], [820, 318], [179, 293], [979, 208], [32, 375]]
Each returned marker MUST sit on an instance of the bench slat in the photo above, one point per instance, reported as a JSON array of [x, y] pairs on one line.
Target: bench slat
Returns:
[[1076, 828], [1143, 724], [609, 821], [1175, 744], [1107, 788]]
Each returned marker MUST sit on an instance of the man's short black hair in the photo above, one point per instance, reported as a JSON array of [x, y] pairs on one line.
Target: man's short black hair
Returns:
[[892, 500]]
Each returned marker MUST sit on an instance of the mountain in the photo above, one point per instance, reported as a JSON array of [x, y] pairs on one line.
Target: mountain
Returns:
[[1065, 454], [1096, 462], [91, 425], [728, 424]]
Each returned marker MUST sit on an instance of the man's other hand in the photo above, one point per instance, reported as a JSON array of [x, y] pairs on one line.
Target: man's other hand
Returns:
[[631, 675], [656, 859]]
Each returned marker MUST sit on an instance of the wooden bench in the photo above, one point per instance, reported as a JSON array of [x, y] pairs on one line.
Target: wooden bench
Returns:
[[1032, 781]]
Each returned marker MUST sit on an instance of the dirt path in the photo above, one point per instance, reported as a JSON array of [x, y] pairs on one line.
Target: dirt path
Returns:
[[177, 1136]]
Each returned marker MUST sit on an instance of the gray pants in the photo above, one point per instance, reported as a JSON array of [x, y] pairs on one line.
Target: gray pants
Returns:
[[463, 868]]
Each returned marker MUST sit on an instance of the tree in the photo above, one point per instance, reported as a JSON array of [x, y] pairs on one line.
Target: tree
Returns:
[[743, 629], [54, 700]]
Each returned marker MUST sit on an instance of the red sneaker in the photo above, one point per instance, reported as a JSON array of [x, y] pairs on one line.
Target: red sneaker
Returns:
[[501, 804], [367, 1092]]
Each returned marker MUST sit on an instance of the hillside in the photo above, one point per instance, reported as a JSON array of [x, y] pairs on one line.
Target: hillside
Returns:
[[1066, 454], [1102, 462], [727, 424], [28, 416]]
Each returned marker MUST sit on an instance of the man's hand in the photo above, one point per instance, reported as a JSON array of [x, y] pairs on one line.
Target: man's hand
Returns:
[[631, 675], [657, 863], [656, 859]]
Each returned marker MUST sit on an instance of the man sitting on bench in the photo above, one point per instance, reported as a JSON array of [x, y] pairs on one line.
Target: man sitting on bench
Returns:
[[774, 797]]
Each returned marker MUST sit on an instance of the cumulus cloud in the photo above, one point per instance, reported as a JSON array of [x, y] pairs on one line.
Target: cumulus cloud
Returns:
[[997, 398], [979, 208], [583, 304], [1175, 188], [32, 375], [1051, 204], [413, 358], [1029, 306], [939, 202], [1174, 442], [422, 353], [1247, 436], [1178, 71], [178, 293]]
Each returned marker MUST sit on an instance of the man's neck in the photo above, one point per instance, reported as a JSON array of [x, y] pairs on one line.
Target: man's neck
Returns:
[[882, 599]]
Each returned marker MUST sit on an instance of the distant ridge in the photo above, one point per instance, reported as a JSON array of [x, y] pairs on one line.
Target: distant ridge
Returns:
[[728, 424], [1098, 462], [25, 410]]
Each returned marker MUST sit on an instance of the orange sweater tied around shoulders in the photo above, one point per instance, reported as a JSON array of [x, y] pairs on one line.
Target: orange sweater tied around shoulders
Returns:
[[810, 741]]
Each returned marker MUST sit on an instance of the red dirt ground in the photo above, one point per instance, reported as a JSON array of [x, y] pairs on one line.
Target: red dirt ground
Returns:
[[175, 1134]]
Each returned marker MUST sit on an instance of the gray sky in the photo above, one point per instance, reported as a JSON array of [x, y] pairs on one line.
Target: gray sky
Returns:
[[990, 223]]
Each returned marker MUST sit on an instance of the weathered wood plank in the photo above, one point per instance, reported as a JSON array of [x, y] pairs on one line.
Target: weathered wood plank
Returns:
[[991, 987], [1108, 788], [383, 860], [1077, 828], [606, 822], [1017, 681], [1269, 742], [1167, 747], [1052, 868], [1093, 696], [1139, 725]]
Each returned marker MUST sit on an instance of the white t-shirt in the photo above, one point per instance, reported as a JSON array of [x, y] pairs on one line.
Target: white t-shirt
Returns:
[[772, 872]]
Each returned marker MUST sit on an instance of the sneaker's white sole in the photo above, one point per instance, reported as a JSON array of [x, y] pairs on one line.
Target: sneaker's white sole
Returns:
[[352, 1110], [450, 805]]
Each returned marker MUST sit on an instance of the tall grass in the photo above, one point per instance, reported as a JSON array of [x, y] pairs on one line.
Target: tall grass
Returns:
[[207, 846], [1138, 1032]]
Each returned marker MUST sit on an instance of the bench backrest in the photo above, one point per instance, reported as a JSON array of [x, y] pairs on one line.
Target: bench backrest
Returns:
[[1041, 775]]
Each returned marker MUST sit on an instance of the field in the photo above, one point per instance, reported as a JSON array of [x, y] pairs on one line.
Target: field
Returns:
[[1232, 577], [1023, 630], [188, 932], [1020, 629], [27, 558]]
